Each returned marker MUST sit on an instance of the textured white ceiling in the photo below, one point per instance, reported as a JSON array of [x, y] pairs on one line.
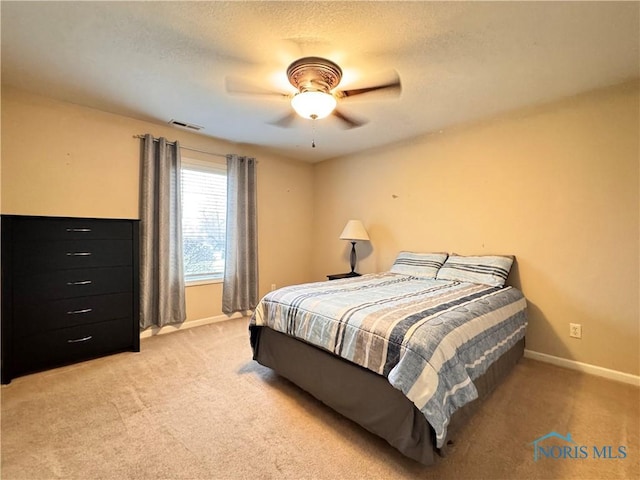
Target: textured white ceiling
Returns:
[[458, 61]]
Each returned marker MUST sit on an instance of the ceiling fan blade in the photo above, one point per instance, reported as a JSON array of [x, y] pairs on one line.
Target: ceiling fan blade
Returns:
[[238, 86], [393, 86], [348, 122], [286, 121]]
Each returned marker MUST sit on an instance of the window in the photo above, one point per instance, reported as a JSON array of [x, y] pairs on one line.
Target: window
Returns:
[[204, 215]]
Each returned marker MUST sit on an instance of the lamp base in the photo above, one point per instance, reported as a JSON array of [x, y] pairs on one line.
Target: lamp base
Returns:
[[353, 257]]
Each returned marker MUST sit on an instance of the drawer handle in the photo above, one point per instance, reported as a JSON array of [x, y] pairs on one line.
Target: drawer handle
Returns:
[[79, 340], [76, 312], [78, 254], [81, 282], [78, 230]]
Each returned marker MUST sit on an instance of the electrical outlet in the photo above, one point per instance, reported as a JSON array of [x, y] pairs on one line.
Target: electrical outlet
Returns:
[[575, 330], [273, 287]]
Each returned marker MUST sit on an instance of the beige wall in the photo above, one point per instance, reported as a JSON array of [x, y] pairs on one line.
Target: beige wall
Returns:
[[556, 186], [62, 159]]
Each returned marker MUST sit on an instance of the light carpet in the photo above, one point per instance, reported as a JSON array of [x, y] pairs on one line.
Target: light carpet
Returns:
[[193, 405]]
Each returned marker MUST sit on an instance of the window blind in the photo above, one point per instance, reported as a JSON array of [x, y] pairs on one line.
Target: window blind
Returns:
[[204, 207]]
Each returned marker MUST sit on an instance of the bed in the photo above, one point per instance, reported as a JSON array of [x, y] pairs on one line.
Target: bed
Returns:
[[409, 354]]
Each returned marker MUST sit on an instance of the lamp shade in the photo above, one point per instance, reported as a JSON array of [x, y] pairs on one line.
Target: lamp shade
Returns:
[[313, 104], [354, 231]]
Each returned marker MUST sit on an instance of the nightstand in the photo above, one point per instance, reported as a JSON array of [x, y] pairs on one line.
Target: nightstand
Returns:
[[338, 276]]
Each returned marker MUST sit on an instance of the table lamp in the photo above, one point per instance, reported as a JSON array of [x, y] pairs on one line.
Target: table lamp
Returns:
[[354, 231]]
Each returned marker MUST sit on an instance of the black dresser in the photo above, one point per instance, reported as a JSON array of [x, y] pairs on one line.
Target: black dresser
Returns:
[[69, 291]]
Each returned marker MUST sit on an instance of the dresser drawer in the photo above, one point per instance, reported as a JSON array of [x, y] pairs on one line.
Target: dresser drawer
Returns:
[[72, 283], [48, 349], [30, 228], [69, 312], [41, 256]]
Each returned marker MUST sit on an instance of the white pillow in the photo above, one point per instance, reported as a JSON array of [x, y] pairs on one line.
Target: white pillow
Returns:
[[423, 265], [490, 270]]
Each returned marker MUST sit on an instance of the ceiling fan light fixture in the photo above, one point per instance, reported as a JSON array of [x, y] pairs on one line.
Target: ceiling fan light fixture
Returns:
[[313, 104]]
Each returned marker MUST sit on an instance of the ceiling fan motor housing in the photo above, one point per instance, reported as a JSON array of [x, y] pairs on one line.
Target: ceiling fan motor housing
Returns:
[[314, 74]]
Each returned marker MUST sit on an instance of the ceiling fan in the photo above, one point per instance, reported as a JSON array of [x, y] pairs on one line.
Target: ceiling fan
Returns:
[[316, 80]]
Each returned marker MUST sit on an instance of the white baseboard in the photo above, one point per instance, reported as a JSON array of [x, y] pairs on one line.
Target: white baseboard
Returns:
[[150, 332], [584, 367]]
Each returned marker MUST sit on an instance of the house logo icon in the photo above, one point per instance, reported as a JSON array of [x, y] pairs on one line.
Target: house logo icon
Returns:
[[535, 443]]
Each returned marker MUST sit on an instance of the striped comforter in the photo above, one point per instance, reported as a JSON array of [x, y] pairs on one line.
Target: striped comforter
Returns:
[[429, 338]]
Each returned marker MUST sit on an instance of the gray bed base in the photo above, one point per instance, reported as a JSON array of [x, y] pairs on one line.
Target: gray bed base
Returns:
[[366, 397]]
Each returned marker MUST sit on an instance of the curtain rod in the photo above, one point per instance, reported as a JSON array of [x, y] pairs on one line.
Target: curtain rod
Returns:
[[188, 148]]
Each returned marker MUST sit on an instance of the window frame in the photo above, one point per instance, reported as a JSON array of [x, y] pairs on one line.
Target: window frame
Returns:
[[204, 166]]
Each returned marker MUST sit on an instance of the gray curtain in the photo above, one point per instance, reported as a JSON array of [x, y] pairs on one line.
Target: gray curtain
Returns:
[[240, 287], [161, 271]]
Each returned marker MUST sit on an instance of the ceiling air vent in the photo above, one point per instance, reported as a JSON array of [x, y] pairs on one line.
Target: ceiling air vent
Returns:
[[188, 126]]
